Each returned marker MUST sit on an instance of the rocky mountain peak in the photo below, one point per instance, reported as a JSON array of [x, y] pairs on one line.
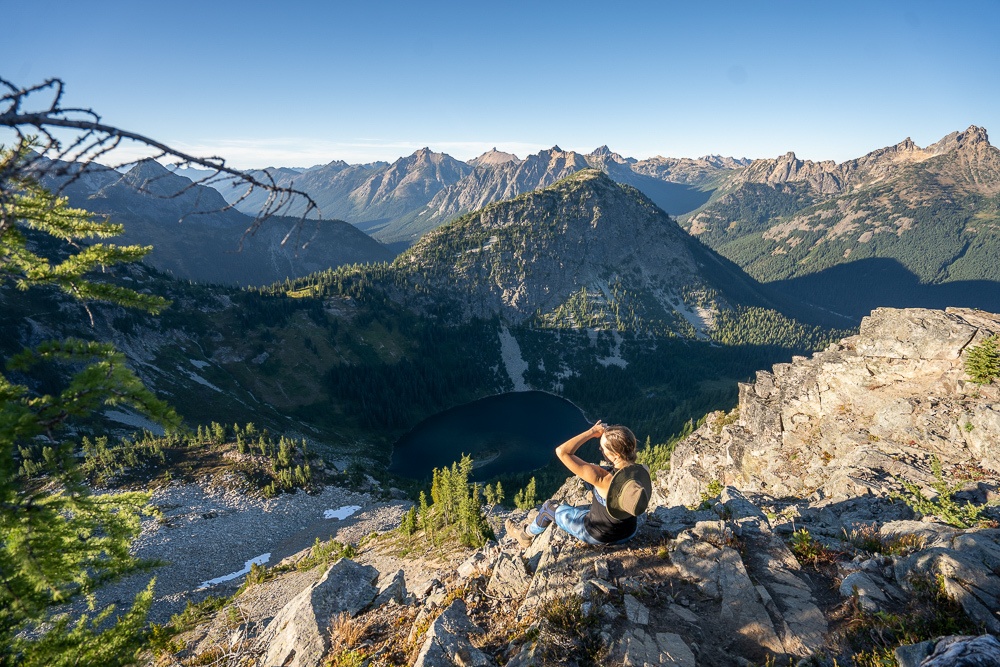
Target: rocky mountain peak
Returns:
[[822, 176], [972, 136], [336, 165], [421, 155], [604, 155], [530, 255], [152, 178], [493, 158]]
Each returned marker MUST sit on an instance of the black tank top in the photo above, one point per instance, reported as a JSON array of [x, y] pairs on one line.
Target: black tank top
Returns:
[[602, 526]]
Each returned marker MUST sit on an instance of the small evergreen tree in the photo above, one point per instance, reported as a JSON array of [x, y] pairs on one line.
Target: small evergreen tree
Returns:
[[408, 525], [525, 498], [982, 362]]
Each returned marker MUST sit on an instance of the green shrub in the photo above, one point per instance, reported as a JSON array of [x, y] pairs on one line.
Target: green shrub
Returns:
[[807, 550], [982, 362], [324, 553], [942, 506]]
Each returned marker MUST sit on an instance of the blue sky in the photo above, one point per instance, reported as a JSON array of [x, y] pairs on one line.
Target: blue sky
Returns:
[[301, 83]]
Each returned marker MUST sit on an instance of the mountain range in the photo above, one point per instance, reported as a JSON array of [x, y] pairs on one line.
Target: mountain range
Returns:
[[900, 226], [399, 202], [196, 235]]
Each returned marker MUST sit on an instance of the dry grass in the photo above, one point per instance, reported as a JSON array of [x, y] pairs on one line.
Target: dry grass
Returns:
[[868, 538], [346, 632]]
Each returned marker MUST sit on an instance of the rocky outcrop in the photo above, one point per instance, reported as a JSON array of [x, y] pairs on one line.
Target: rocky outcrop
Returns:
[[764, 569], [964, 564], [852, 419], [958, 651], [298, 636], [447, 641]]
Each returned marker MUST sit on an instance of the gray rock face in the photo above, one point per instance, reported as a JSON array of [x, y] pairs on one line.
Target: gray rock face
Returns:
[[786, 592], [391, 589], [299, 635], [849, 420], [983, 651], [509, 579], [447, 641], [719, 572], [967, 564], [869, 594], [913, 334], [637, 648], [635, 611]]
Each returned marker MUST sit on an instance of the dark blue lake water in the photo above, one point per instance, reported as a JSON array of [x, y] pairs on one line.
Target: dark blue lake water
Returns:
[[504, 433]]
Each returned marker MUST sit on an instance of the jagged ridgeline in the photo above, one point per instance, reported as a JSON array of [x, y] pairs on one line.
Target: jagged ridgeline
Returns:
[[596, 293], [900, 226], [584, 253]]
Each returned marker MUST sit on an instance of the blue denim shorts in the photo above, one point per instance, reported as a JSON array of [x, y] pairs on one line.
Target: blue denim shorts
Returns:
[[571, 519]]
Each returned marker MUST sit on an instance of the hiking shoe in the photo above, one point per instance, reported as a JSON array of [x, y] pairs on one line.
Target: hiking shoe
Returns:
[[517, 531]]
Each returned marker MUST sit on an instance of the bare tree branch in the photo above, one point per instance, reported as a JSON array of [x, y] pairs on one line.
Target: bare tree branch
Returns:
[[67, 141]]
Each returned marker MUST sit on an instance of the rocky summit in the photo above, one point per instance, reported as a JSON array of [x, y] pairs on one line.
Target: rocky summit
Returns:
[[570, 252], [844, 513]]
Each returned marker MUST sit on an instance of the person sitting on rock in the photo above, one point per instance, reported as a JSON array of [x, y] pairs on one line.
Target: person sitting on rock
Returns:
[[619, 497]]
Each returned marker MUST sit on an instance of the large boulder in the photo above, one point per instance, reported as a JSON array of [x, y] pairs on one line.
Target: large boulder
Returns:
[[298, 636], [982, 651]]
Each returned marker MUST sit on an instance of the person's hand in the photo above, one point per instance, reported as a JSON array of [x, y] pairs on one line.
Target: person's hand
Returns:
[[597, 430]]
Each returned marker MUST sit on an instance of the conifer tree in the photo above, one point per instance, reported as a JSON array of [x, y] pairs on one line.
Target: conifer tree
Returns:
[[982, 362], [525, 498], [58, 539]]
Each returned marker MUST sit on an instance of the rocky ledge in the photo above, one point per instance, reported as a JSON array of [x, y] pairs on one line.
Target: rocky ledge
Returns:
[[788, 532], [854, 419]]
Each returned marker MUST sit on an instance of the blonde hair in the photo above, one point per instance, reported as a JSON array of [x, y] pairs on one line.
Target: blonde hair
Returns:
[[621, 441]]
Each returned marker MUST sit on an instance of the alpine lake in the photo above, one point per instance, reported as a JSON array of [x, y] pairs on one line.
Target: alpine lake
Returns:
[[506, 433]]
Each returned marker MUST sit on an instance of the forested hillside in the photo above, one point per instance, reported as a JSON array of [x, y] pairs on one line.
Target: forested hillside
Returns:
[[922, 226]]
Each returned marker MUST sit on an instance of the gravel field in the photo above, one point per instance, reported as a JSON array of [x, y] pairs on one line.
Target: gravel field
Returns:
[[205, 533]]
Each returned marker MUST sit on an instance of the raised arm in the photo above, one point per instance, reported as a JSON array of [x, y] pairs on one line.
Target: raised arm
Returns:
[[588, 472]]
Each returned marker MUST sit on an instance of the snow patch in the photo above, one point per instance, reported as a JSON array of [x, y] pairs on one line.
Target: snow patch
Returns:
[[200, 380], [199, 364], [342, 513], [702, 319], [132, 419], [515, 364], [259, 560]]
